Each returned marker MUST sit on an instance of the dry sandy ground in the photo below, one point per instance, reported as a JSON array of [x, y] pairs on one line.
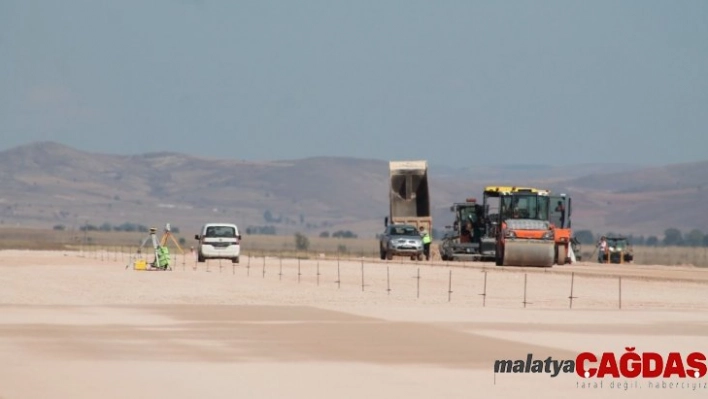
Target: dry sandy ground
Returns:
[[86, 327]]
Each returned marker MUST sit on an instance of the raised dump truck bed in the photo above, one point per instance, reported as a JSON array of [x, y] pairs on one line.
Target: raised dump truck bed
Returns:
[[409, 194]]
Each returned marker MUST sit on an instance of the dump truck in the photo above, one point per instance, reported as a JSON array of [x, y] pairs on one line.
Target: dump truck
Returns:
[[409, 194]]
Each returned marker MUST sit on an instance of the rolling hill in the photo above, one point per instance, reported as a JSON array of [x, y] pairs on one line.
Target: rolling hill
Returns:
[[46, 184]]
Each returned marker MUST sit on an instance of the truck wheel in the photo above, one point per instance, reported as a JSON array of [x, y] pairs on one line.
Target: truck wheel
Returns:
[[200, 258], [234, 260], [382, 253], [389, 255], [420, 257]]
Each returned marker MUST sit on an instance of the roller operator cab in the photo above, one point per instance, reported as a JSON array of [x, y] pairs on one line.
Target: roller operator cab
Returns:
[[559, 214], [219, 241]]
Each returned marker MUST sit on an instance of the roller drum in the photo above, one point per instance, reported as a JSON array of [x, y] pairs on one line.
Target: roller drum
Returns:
[[529, 253]]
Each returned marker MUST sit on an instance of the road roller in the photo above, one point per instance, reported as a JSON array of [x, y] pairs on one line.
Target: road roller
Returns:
[[524, 234]]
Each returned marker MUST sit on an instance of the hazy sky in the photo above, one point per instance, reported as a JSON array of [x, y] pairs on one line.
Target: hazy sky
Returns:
[[455, 82]]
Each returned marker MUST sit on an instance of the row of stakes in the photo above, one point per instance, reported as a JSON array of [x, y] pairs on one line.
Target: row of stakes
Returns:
[[388, 280]]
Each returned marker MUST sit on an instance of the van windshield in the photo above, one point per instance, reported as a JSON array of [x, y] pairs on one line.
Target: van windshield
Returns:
[[220, 231]]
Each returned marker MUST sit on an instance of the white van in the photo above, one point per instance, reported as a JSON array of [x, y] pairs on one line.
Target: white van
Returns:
[[219, 241]]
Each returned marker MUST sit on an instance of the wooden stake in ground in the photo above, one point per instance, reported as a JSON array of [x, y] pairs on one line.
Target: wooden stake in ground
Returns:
[[449, 287], [417, 295], [339, 279], [484, 292], [620, 292], [362, 273], [572, 281], [388, 281]]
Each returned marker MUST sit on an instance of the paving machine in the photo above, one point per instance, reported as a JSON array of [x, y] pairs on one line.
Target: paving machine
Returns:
[[524, 235], [467, 238]]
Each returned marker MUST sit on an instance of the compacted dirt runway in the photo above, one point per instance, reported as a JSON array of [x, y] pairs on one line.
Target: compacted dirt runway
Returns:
[[73, 326]]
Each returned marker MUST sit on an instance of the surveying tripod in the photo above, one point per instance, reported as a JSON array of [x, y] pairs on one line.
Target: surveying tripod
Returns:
[[159, 248], [168, 234]]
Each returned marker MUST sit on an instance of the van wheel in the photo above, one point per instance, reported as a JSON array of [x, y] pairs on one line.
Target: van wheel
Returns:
[[200, 258], [234, 260]]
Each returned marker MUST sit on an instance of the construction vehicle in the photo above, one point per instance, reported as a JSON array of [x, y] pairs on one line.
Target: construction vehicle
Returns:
[[558, 213], [619, 250], [218, 241], [401, 240], [467, 238], [409, 195], [524, 235]]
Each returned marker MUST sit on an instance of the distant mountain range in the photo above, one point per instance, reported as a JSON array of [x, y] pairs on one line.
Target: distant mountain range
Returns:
[[46, 184]]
